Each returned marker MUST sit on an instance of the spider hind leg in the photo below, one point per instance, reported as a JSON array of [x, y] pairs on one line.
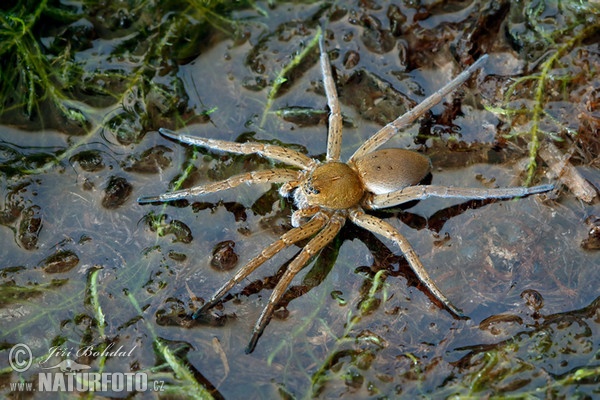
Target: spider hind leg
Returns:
[[386, 230]]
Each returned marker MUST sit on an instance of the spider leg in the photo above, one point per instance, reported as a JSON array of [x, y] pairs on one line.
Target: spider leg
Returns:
[[264, 176], [287, 239], [383, 228], [298, 215], [278, 153], [411, 193], [334, 136], [326, 235], [388, 131]]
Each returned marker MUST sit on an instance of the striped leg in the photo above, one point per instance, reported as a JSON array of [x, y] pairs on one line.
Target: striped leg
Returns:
[[265, 176], [286, 240], [278, 153], [334, 136], [388, 131], [326, 235], [383, 228], [411, 193]]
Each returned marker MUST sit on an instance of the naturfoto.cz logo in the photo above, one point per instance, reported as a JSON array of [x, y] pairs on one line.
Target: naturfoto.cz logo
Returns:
[[71, 376]]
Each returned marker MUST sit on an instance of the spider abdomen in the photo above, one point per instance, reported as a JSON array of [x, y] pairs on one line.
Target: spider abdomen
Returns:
[[388, 170], [332, 185]]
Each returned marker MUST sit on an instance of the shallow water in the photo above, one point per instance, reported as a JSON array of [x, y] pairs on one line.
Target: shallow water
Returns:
[[83, 266]]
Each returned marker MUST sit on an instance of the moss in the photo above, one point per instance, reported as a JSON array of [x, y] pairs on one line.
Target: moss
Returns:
[[553, 31]]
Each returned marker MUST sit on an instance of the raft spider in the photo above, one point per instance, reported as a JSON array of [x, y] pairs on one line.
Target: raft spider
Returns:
[[328, 193]]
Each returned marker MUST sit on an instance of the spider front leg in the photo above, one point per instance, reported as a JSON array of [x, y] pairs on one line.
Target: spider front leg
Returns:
[[383, 228], [334, 135], [327, 234], [265, 176], [287, 239], [278, 153], [411, 193]]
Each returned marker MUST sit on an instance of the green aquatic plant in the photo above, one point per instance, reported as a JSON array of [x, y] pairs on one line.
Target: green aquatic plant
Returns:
[[180, 381], [530, 363], [281, 77], [29, 76], [354, 350], [46, 84], [555, 29]]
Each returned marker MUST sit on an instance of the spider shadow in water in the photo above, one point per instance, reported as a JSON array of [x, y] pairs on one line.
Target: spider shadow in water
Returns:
[[383, 258]]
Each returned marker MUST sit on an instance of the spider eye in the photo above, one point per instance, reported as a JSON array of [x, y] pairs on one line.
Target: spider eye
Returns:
[[310, 189]]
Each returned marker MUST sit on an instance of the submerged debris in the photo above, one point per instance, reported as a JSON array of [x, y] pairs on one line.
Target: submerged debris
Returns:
[[30, 227], [592, 242], [116, 193], [564, 171], [150, 161], [61, 261], [224, 257]]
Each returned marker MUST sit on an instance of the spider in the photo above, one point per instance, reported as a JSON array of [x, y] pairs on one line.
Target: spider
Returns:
[[328, 193]]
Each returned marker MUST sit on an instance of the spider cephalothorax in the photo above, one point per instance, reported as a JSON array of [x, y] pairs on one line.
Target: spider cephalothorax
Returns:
[[333, 185], [328, 193]]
